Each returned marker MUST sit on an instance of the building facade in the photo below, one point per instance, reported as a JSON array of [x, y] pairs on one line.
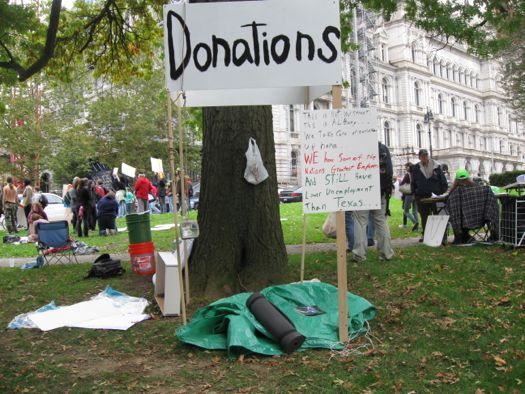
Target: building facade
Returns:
[[428, 94]]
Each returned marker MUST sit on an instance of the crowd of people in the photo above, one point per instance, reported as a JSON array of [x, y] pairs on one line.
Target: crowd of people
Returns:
[[422, 180], [90, 204]]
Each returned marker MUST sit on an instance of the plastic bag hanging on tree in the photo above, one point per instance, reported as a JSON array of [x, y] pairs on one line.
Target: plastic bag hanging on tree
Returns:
[[255, 172]]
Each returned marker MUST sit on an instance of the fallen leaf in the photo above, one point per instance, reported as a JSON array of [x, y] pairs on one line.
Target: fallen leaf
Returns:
[[499, 361]]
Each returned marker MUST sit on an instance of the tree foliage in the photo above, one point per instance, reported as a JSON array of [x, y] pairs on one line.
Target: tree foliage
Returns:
[[87, 120]]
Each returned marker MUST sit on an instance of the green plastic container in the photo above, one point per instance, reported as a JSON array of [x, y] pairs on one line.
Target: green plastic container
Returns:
[[139, 228]]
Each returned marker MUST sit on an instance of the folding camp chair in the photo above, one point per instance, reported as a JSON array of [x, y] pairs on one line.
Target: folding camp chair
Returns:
[[474, 209], [54, 243]]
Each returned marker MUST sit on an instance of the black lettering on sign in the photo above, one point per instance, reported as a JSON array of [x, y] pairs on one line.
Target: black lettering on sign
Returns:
[[176, 72], [298, 46], [274, 49], [227, 53]]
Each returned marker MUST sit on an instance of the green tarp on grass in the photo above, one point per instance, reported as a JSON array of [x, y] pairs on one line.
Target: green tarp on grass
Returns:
[[228, 324]]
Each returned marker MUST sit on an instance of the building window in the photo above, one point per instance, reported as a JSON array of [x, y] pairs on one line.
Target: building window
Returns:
[[465, 110], [501, 146], [498, 114], [414, 53], [417, 93], [460, 76], [471, 143], [385, 88], [459, 139], [453, 105], [441, 103], [476, 81], [387, 133], [446, 139], [454, 74], [510, 123], [383, 53], [477, 112], [419, 135], [293, 160], [448, 71], [434, 67]]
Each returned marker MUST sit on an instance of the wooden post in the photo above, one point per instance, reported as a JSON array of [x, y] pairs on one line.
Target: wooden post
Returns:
[[342, 284], [183, 206], [303, 251], [171, 152]]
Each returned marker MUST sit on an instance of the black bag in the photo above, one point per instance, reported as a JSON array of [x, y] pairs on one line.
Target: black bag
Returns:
[[105, 267], [10, 239]]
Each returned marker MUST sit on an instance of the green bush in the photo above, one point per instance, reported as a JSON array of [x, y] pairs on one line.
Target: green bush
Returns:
[[505, 178]]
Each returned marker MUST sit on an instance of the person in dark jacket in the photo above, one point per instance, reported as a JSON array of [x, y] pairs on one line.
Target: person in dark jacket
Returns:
[[427, 179], [378, 216], [161, 195], [83, 208], [107, 211]]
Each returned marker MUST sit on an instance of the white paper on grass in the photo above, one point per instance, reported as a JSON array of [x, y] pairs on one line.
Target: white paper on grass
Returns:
[[435, 229], [161, 227], [121, 322], [74, 314], [101, 312]]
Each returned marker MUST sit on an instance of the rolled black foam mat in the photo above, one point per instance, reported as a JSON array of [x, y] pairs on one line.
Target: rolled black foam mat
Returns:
[[276, 322]]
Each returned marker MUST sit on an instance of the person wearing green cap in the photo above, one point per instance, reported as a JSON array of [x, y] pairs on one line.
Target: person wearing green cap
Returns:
[[462, 180]]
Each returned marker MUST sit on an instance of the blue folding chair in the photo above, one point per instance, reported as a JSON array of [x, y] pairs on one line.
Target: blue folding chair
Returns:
[[54, 243]]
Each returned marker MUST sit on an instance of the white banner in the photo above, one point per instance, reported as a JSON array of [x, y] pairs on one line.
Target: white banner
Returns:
[[252, 44], [340, 161], [128, 170], [156, 165]]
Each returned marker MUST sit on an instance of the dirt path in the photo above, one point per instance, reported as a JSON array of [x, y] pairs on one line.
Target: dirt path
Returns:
[[291, 249]]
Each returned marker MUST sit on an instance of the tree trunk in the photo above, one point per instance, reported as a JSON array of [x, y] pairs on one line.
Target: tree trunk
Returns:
[[241, 245]]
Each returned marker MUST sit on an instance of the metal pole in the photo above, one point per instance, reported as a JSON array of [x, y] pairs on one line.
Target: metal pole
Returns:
[[430, 138]]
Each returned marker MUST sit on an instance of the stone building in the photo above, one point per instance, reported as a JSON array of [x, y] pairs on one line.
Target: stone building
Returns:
[[429, 95]]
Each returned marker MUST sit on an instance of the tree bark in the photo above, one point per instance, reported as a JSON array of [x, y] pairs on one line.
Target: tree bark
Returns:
[[241, 245]]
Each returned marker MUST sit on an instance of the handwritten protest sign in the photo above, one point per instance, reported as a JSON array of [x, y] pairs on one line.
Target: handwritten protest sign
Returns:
[[340, 161]]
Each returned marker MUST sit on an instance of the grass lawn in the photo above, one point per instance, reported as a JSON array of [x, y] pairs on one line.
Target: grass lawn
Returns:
[[450, 319], [291, 220]]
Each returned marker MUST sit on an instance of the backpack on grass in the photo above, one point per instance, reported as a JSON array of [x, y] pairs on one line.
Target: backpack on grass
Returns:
[[105, 267]]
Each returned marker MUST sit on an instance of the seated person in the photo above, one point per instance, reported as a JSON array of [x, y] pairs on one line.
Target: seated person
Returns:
[[470, 206], [36, 215], [107, 211]]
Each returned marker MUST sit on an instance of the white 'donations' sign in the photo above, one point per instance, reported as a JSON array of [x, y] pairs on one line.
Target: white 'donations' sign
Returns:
[[252, 44], [340, 163]]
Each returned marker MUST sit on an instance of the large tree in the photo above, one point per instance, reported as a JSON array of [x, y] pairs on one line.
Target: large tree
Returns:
[[241, 242]]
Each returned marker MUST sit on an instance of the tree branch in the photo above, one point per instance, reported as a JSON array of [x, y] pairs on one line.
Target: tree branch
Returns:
[[51, 38]]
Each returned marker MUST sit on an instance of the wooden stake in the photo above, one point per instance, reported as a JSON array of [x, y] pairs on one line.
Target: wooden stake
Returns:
[[303, 252], [171, 152], [342, 284], [183, 202]]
